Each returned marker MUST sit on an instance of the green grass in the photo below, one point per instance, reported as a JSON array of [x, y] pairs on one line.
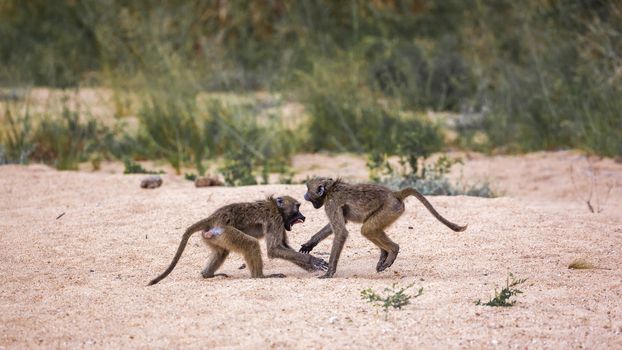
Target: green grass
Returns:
[[132, 167], [537, 76], [502, 298], [16, 138], [393, 298], [428, 178], [345, 116]]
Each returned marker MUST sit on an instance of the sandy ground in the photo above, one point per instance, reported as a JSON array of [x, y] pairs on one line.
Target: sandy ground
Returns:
[[80, 280]]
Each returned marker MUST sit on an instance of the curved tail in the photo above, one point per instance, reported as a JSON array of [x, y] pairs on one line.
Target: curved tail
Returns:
[[203, 224], [412, 192]]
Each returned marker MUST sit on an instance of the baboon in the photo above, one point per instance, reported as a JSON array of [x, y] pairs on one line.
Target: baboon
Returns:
[[373, 205], [237, 227]]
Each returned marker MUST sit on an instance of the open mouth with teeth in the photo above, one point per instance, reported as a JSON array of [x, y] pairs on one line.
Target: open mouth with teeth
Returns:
[[294, 221]]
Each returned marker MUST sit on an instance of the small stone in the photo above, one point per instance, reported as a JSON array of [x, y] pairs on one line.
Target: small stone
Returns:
[[207, 181], [153, 181]]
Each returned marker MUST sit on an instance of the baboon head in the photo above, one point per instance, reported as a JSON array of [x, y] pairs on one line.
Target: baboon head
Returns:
[[317, 189], [290, 211]]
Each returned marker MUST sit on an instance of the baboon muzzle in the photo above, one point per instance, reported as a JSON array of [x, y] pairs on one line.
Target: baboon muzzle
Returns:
[[296, 219]]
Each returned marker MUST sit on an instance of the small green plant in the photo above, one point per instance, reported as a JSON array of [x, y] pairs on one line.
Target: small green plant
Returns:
[[502, 298], [132, 167], [190, 176], [395, 297]]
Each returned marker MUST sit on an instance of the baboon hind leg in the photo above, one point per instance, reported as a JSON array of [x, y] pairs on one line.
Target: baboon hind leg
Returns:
[[373, 229], [248, 246], [219, 255]]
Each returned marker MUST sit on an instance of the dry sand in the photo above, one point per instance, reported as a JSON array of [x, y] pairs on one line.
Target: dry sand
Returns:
[[80, 280]]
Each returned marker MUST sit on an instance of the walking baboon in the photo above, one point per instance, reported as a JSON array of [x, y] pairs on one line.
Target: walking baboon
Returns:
[[237, 227], [373, 205]]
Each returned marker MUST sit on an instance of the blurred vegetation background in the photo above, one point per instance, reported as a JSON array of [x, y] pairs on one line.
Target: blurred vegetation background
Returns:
[[208, 79]]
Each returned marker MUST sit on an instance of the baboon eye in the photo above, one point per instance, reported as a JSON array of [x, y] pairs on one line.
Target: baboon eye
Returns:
[[320, 190]]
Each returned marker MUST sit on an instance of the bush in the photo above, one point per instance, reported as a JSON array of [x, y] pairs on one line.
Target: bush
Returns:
[[553, 85], [439, 80], [135, 168], [395, 297], [170, 122], [16, 138], [428, 179], [64, 141], [347, 117], [502, 298]]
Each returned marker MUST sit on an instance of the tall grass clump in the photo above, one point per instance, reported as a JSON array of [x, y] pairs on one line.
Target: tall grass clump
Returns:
[[429, 178], [60, 135], [346, 116], [251, 142], [16, 136], [170, 122], [64, 141], [554, 83]]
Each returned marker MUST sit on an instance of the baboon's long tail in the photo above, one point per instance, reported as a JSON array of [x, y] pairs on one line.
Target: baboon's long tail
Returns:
[[412, 192], [203, 224]]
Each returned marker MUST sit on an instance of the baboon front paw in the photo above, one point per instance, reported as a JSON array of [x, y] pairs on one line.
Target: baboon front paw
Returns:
[[319, 264], [306, 248]]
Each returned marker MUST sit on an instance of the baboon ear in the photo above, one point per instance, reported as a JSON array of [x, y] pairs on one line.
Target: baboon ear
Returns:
[[280, 202]]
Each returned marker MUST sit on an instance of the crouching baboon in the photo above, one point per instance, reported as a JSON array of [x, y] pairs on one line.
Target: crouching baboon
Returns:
[[237, 227], [373, 205]]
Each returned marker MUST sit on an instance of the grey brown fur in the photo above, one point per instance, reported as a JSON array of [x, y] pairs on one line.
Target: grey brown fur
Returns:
[[237, 227], [375, 206]]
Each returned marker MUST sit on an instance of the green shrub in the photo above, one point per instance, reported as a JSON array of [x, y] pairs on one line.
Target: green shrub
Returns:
[[502, 298], [16, 138], [232, 126], [395, 297], [135, 168], [345, 116], [170, 122], [238, 168], [428, 179], [440, 79], [65, 140]]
